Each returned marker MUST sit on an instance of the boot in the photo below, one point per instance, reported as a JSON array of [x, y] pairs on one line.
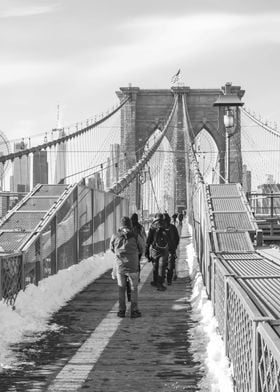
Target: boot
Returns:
[[135, 312], [160, 286]]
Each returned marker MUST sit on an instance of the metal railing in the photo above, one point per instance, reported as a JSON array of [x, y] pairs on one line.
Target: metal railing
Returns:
[[77, 226], [251, 333]]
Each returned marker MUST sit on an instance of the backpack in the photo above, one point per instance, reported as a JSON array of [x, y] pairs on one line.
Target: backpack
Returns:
[[121, 243], [160, 239]]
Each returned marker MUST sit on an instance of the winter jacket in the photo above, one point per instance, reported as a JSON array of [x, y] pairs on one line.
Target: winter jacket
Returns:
[[139, 231], [129, 261], [174, 238], [151, 251]]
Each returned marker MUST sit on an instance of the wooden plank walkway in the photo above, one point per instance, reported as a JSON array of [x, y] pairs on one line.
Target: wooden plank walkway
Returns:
[[96, 351]]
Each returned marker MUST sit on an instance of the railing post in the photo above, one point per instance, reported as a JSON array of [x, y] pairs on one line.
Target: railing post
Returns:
[[259, 238], [22, 258], [1, 292], [255, 357], [226, 315]]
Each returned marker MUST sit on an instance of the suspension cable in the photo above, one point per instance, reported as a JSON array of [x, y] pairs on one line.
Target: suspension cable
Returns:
[[62, 139], [153, 189], [124, 182], [264, 126]]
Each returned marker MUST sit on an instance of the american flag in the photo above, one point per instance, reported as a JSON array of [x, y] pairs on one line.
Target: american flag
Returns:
[[175, 77]]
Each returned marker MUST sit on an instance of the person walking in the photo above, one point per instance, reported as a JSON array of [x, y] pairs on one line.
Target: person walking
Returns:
[[126, 247], [139, 231], [174, 239], [157, 245], [180, 218], [174, 218]]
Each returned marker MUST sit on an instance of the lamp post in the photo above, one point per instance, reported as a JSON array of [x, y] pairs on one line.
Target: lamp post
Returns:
[[229, 102]]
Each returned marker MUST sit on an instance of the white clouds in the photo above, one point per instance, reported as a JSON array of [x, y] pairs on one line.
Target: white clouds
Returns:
[[154, 43], [15, 72], [8, 11]]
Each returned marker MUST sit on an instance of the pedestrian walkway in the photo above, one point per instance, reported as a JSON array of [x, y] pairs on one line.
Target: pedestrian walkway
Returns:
[[96, 351]]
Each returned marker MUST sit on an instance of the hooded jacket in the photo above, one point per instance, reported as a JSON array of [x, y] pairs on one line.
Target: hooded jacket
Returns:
[[157, 224], [129, 261]]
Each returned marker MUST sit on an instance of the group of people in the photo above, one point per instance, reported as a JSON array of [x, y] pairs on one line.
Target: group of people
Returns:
[[159, 247]]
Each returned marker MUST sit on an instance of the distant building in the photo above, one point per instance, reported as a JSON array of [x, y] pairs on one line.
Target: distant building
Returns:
[[60, 164], [4, 205], [269, 188], [112, 169], [246, 179], [20, 179], [115, 159], [96, 182], [108, 174], [40, 168]]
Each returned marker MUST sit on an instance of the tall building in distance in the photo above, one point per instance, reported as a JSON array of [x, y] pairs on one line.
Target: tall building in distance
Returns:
[[40, 168], [60, 159], [20, 179], [246, 179], [96, 182]]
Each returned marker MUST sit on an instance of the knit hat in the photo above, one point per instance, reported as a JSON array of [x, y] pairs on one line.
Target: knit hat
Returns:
[[125, 222], [134, 218]]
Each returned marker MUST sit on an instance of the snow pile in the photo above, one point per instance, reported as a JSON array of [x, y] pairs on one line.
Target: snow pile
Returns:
[[36, 304], [218, 373]]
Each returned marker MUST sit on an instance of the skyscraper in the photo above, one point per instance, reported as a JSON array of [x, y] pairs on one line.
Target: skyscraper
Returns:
[[40, 168], [60, 164], [20, 179]]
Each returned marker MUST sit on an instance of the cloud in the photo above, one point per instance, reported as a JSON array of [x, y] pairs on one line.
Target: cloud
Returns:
[[7, 11], [12, 73], [153, 43]]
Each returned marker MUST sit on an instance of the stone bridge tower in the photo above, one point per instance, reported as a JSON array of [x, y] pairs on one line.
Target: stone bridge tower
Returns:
[[148, 110]]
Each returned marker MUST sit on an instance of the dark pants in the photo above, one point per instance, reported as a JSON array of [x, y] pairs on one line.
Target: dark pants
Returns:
[[128, 288], [171, 266], [159, 266]]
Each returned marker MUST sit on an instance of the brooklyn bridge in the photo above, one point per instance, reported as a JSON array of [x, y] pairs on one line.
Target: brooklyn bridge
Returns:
[[201, 151]]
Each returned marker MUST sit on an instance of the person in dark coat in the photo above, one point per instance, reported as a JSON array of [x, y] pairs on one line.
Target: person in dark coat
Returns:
[[180, 218], [126, 247], [173, 244], [157, 251], [174, 218]]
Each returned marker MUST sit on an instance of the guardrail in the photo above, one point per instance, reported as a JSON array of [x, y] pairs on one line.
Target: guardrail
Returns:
[[77, 226], [251, 334]]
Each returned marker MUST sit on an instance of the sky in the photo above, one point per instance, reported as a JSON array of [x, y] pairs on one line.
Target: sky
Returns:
[[76, 54], [34, 307]]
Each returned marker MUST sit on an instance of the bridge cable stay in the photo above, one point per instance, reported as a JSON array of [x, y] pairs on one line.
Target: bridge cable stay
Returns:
[[153, 189], [131, 174], [90, 158], [61, 139], [246, 111], [189, 147], [256, 157], [101, 165]]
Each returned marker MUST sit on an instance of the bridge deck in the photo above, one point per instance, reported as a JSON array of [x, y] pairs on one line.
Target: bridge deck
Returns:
[[97, 351]]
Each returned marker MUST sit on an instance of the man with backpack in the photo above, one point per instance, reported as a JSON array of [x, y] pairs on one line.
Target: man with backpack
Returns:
[[157, 245], [126, 248], [174, 239]]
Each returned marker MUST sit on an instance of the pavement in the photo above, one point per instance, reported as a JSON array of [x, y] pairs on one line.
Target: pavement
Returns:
[[94, 350]]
